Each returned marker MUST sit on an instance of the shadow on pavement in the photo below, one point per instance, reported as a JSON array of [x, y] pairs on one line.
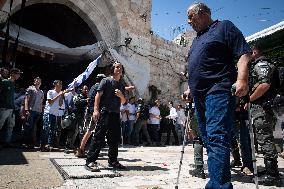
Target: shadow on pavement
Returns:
[[144, 168], [12, 156]]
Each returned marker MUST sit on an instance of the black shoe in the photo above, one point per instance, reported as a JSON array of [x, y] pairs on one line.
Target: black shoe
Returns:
[[198, 172], [116, 165], [93, 167], [236, 164]]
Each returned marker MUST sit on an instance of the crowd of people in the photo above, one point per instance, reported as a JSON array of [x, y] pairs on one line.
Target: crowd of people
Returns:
[[64, 118], [220, 102]]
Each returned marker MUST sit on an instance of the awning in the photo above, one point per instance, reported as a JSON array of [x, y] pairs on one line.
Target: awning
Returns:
[[61, 52], [266, 32], [27, 50], [271, 39]]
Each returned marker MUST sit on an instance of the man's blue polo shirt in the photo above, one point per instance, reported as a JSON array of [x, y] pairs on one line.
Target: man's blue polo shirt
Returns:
[[211, 58]]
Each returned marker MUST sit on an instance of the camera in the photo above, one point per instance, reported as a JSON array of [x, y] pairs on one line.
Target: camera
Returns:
[[189, 108]]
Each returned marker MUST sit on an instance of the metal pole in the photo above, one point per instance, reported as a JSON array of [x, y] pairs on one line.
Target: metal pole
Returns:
[[188, 120]]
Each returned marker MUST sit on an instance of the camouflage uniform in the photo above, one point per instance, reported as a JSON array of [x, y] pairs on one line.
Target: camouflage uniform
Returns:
[[262, 116], [198, 147]]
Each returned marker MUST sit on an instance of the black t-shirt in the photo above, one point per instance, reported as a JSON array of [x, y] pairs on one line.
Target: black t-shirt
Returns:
[[211, 58], [109, 100], [92, 95]]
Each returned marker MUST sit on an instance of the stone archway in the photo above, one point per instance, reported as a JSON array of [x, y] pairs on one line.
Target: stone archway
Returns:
[[100, 16]]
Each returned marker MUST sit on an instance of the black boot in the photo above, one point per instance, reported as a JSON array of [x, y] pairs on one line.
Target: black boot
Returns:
[[198, 172], [235, 153], [236, 162], [271, 178]]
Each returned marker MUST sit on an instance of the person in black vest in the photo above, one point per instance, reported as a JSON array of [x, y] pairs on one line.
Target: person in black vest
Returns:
[[109, 97]]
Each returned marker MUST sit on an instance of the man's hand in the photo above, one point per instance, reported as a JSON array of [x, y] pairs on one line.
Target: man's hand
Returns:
[[241, 88], [96, 115], [129, 88], [118, 93]]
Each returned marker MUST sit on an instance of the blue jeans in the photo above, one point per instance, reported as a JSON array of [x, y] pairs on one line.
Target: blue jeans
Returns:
[[30, 127], [129, 128], [215, 116], [49, 129]]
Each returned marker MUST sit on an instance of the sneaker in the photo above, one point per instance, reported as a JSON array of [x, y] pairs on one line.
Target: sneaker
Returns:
[[246, 171], [116, 165], [93, 167], [66, 151], [50, 148]]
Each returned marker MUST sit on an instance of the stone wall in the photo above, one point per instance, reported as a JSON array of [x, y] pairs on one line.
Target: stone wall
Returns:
[[164, 60]]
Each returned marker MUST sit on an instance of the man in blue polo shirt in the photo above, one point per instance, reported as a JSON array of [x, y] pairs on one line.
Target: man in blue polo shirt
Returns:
[[212, 73]]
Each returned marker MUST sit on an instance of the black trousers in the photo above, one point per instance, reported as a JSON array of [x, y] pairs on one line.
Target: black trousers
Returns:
[[108, 126], [172, 128]]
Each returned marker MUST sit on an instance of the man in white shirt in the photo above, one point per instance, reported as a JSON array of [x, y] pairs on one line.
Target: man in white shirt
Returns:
[[172, 122], [52, 112], [154, 124], [181, 118]]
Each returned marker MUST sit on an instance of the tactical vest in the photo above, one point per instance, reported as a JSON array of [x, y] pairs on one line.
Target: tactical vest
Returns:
[[262, 71]]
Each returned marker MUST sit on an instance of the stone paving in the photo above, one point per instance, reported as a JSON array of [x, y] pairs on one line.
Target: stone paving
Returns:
[[148, 168]]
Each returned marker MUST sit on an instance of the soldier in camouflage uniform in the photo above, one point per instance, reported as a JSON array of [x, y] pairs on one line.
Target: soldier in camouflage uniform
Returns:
[[261, 95]]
